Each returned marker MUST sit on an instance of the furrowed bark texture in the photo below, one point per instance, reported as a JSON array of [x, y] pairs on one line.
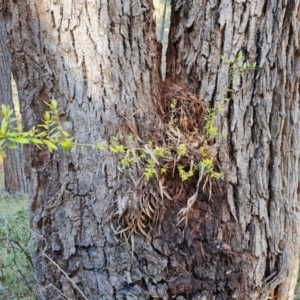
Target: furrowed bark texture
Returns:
[[100, 60], [259, 157], [13, 165]]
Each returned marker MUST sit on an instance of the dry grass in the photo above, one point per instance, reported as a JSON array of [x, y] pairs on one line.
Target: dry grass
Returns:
[[189, 113], [142, 206]]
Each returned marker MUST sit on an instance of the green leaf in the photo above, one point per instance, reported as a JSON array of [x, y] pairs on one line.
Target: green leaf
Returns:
[[66, 144], [53, 129], [42, 134], [4, 125], [64, 133], [12, 146], [54, 104], [5, 110], [181, 149], [55, 135], [35, 141], [2, 153], [149, 172], [10, 113], [125, 162], [20, 140], [239, 56], [27, 133], [47, 116], [183, 174], [2, 141], [117, 149], [13, 134], [44, 126], [49, 145]]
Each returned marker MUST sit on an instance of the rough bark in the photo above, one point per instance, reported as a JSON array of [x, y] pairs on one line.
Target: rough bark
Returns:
[[260, 155], [100, 60], [13, 164]]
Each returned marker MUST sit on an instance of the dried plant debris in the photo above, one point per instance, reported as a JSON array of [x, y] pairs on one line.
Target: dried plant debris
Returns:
[[184, 154]]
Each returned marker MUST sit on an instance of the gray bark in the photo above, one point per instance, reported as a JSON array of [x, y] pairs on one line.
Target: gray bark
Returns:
[[13, 165], [259, 157], [100, 60]]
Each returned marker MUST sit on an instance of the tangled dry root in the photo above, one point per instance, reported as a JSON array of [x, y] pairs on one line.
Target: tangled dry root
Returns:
[[142, 206]]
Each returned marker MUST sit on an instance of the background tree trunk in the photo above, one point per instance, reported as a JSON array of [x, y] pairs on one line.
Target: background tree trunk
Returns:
[[13, 165], [259, 157]]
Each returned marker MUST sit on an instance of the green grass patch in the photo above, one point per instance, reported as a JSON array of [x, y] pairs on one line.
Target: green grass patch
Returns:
[[16, 270], [297, 289]]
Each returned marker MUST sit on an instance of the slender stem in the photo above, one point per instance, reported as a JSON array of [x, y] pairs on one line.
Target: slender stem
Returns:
[[18, 269]]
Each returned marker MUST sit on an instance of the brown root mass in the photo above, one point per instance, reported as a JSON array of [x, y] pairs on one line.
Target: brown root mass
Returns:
[[142, 206]]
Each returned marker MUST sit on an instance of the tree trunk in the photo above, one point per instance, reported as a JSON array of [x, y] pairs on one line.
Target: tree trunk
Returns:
[[13, 165], [101, 61], [259, 157]]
